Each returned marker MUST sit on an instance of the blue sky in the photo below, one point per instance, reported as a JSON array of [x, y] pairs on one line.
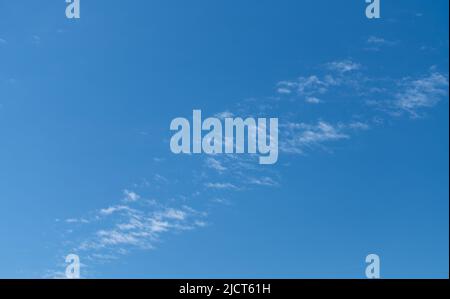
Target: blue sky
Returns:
[[86, 167]]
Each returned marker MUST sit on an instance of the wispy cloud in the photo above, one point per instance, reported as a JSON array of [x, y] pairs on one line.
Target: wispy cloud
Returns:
[[134, 228], [215, 164], [221, 186], [313, 86], [395, 96], [375, 43], [134, 223], [114, 209], [158, 178], [411, 96], [264, 181], [297, 137], [344, 66], [374, 40], [224, 114], [130, 196], [307, 86], [313, 100], [357, 125], [77, 220], [421, 93], [284, 89]]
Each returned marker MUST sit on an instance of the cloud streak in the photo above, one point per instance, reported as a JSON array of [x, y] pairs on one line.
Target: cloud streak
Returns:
[[137, 222], [424, 92]]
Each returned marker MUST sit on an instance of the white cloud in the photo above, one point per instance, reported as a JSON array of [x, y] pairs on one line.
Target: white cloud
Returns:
[[158, 226], [375, 43], [299, 136], [113, 237], [420, 93], [344, 66], [312, 84], [111, 210], [321, 132], [160, 179], [200, 223], [76, 220], [375, 40], [284, 90], [215, 164], [221, 186], [174, 214], [130, 196], [307, 86], [134, 225], [103, 257], [264, 181], [390, 95], [222, 201], [313, 100], [138, 228], [224, 114], [359, 126], [379, 41]]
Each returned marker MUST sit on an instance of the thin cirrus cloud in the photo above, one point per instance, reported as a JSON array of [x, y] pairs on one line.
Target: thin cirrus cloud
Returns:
[[412, 96], [299, 137], [394, 96], [116, 230], [344, 66], [419, 93], [337, 74], [215, 164], [313, 100], [130, 196], [221, 186], [375, 43], [140, 223], [264, 181], [307, 86]]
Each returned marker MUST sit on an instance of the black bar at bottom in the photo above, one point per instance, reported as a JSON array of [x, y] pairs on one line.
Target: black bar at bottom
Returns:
[[198, 288]]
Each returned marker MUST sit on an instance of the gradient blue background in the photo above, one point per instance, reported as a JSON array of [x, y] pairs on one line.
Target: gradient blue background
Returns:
[[85, 107]]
